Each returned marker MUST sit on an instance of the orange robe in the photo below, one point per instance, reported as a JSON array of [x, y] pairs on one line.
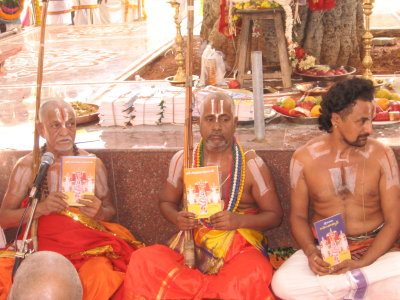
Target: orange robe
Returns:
[[157, 272], [100, 251]]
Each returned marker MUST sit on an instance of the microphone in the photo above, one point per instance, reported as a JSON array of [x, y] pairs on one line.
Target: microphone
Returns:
[[46, 161]]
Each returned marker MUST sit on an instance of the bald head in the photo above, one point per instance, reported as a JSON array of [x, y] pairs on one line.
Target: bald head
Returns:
[[215, 100], [51, 105], [46, 275]]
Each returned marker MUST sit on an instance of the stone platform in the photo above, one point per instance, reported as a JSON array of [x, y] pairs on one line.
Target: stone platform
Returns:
[[137, 159]]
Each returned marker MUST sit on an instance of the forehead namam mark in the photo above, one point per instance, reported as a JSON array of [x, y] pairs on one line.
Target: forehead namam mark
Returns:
[[217, 107]]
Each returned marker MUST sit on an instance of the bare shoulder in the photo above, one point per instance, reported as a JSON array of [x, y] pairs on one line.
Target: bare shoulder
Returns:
[[251, 156], [376, 147], [177, 156], [25, 161], [304, 153], [176, 160], [82, 152]]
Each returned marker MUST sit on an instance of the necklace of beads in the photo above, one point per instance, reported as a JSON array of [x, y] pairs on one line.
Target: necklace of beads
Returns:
[[235, 188]]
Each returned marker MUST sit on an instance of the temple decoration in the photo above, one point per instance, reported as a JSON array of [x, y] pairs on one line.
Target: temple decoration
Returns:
[[297, 55], [180, 76], [367, 38]]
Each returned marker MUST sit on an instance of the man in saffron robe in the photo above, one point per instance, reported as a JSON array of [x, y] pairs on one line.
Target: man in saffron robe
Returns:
[[344, 171], [229, 247], [99, 250]]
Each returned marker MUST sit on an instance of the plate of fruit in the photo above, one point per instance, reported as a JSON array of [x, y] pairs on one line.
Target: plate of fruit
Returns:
[[314, 88], [326, 72], [85, 112], [306, 108], [387, 111]]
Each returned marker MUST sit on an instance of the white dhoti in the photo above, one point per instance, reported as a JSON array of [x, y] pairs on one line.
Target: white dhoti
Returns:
[[380, 280], [119, 11], [59, 12], [87, 12]]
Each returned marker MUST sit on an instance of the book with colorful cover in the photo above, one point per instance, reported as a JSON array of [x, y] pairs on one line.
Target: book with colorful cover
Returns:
[[332, 239], [78, 175], [203, 191]]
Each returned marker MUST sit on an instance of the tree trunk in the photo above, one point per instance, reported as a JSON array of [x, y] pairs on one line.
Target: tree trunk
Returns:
[[333, 36]]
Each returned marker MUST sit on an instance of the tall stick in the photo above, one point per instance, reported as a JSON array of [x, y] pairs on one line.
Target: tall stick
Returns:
[[189, 256], [31, 225], [39, 81]]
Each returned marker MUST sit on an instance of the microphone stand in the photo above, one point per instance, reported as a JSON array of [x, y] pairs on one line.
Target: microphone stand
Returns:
[[20, 254]]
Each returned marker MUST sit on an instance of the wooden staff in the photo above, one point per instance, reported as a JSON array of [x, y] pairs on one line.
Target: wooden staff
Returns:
[[31, 223], [36, 152], [189, 256]]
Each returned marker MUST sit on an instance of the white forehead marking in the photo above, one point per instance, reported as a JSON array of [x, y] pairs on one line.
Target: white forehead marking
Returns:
[[390, 169], [314, 152], [342, 159], [296, 168], [350, 174], [255, 171], [58, 114], [175, 169], [212, 107], [221, 107]]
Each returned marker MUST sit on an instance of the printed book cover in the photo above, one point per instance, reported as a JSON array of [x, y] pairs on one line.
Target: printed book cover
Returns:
[[332, 239], [78, 175], [203, 191]]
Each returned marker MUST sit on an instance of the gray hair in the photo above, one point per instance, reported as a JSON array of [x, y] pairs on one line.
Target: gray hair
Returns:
[[52, 104], [46, 275], [219, 96]]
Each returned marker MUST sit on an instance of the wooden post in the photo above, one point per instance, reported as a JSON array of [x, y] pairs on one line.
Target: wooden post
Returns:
[[36, 152], [189, 256]]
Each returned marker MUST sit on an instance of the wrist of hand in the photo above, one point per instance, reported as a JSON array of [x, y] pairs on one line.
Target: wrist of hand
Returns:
[[310, 249]]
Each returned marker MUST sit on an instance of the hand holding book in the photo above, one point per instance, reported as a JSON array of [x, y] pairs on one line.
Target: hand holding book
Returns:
[[91, 206], [203, 191], [78, 175], [332, 240]]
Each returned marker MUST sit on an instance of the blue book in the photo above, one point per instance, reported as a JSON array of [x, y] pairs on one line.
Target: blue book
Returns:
[[332, 239]]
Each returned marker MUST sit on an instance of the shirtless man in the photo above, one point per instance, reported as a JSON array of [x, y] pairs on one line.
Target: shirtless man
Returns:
[[79, 234], [230, 244], [344, 171]]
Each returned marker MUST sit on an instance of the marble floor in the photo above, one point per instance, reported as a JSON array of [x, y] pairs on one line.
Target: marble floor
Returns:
[[86, 62]]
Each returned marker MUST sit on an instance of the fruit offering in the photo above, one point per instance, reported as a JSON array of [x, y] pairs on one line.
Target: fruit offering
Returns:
[[386, 94], [308, 106], [386, 110], [324, 70]]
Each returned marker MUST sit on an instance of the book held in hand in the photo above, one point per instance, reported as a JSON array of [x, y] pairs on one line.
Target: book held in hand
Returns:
[[78, 175], [203, 191], [332, 239]]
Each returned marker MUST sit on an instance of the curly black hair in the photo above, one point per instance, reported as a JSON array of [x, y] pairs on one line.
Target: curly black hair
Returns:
[[341, 98]]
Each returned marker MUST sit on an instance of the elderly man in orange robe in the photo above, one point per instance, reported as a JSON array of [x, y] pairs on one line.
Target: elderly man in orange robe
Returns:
[[99, 250], [230, 253]]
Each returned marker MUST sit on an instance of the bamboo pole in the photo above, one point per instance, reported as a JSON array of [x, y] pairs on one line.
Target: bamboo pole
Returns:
[[39, 81], [189, 256], [31, 225]]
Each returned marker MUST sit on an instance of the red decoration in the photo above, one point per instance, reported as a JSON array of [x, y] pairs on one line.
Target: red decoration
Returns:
[[234, 84], [299, 52], [321, 4]]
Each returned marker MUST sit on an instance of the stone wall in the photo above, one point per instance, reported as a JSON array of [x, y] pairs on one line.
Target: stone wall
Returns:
[[137, 176]]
